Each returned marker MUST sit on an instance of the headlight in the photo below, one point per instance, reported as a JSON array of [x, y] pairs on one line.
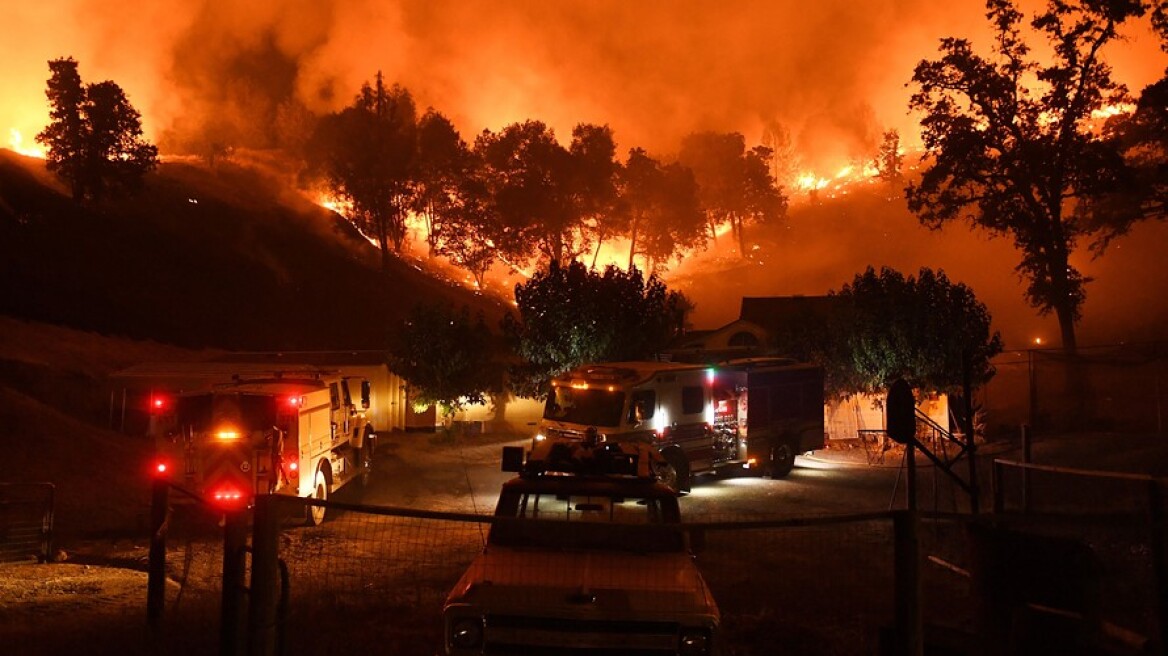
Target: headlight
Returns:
[[539, 437], [466, 633], [694, 642]]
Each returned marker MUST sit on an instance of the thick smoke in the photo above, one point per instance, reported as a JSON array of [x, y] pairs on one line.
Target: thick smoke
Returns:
[[831, 72]]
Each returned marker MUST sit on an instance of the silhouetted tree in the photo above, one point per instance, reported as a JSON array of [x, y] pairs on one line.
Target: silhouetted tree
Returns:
[[763, 202], [571, 315], [886, 326], [530, 178], [1013, 159], [594, 182], [889, 160], [443, 161], [472, 234], [94, 138], [735, 185], [661, 204], [446, 357], [367, 154], [1143, 137]]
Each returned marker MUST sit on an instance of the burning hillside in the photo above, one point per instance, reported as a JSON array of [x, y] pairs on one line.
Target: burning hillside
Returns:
[[809, 91]]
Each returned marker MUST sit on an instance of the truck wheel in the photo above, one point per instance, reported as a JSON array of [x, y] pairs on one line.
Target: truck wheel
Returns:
[[365, 459], [674, 472], [315, 514], [782, 461]]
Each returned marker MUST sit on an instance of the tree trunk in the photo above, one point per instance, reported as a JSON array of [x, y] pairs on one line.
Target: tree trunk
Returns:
[[739, 229], [632, 245], [383, 241], [1066, 319]]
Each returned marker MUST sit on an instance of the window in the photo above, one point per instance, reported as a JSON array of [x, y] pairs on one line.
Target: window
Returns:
[[693, 400], [591, 407], [583, 521], [642, 406]]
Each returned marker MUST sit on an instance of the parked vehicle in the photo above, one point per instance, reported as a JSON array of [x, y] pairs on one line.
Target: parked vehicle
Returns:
[[303, 436], [586, 555], [754, 414]]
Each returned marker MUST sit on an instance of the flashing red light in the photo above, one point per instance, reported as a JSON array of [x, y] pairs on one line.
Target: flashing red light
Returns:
[[160, 468], [228, 496], [158, 403], [294, 401], [293, 465]]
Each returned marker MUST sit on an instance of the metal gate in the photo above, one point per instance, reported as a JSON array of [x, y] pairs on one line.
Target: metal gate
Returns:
[[26, 521]]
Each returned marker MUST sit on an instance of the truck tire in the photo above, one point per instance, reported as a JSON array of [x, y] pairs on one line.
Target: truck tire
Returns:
[[314, 515], [674, 471], [365, 458], [781, 461]]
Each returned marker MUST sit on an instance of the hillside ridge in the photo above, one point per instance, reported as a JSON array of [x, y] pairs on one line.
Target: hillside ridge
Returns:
[[223, 257]]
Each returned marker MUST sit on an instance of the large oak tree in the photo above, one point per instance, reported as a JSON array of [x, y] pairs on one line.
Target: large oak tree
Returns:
[[1010, 146], [367, 152], [571, 315]]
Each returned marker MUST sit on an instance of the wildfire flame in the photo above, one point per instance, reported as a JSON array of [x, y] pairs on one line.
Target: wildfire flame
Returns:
[[16, 143]]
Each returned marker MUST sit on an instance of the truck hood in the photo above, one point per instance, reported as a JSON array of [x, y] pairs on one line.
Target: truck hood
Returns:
[[593, 584]]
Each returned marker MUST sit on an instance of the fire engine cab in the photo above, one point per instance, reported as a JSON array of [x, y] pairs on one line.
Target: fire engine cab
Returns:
[[754, 414], [303, 436]]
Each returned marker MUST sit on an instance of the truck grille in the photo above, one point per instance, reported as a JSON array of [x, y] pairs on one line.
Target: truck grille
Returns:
[[509, 634]]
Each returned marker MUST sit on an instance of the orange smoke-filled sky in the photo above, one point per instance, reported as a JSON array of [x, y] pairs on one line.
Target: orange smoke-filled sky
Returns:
[[832, 72]]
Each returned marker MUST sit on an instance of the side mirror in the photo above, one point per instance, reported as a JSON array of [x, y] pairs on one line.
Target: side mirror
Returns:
[[366, 390]]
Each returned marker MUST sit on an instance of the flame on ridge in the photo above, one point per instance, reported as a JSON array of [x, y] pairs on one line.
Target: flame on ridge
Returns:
[[16, 143]]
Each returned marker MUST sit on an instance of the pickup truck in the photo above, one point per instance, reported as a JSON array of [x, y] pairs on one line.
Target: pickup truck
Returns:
[[586, 555]]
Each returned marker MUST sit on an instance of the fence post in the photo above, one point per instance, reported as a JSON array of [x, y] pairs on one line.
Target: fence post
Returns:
[[1156, 528], [1025, 470], [907, 588], [234, 568], [265, 558], [970, 441], [156, 567], [996, 487]]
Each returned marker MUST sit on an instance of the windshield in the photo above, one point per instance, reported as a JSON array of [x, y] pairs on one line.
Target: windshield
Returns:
[[559, 521], [589, 407]]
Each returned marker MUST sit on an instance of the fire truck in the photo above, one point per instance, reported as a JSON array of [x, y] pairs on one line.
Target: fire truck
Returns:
[[752, 414], [300, 435]]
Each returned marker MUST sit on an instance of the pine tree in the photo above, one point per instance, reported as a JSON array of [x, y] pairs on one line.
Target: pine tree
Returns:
[[94, 138]]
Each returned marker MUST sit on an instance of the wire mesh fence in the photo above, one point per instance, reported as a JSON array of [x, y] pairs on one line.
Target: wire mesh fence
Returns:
[[1101, 531], [1084, 556], [190, 607], [369, 578], [372, 578], [1119, 388]]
